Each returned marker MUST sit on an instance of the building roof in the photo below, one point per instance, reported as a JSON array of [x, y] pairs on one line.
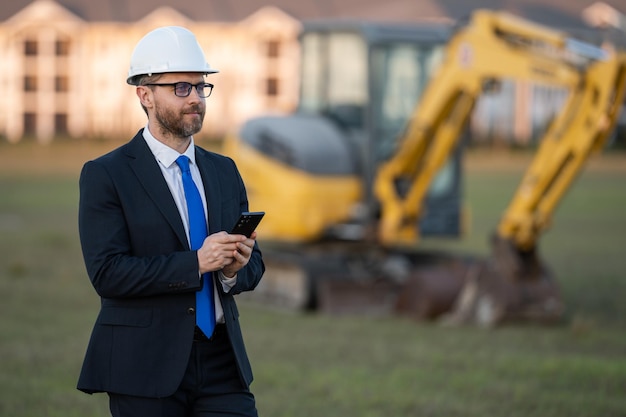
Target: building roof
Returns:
[[556, 13]]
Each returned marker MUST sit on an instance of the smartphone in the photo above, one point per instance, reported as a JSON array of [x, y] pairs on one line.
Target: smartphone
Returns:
[[248, 221]]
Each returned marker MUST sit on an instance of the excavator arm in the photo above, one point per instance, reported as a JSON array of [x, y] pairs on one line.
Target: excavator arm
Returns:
[[588, 118], [513, 283], [494, 47]]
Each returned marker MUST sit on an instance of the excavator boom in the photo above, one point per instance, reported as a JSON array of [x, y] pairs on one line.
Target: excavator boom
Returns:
[[513, 282]]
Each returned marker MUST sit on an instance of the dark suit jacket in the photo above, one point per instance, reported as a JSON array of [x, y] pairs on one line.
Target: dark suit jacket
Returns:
[[138, 260]]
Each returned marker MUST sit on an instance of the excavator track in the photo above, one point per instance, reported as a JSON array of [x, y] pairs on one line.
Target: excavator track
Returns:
[[360, 280], [330, 279]]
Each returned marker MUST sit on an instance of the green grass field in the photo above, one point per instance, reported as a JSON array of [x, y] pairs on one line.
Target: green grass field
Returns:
[[316, 365]]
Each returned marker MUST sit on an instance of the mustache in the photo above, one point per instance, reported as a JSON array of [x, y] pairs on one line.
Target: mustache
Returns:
[[197, 108]]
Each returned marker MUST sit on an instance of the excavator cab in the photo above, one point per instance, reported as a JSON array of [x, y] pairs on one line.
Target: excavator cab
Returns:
[[360, 84]]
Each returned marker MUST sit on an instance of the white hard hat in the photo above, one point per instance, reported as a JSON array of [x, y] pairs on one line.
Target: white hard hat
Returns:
[[167, 49]]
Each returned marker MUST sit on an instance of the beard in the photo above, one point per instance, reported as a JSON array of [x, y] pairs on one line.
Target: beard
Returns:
[[173, 123]]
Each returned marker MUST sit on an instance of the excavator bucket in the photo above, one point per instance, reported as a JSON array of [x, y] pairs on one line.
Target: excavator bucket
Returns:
[[509, 286]]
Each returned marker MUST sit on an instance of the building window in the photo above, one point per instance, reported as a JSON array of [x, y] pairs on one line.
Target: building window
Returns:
[[60, 124], [30, 48], [30, 124], [272, 86], [273, 49], [30, 83], [62, 48], [61, 83]]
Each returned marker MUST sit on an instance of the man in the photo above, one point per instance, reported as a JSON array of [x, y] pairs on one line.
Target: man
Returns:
[[153, 216]]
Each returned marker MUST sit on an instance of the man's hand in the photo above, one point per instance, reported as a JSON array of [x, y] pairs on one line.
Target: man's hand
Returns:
[[224, 251]]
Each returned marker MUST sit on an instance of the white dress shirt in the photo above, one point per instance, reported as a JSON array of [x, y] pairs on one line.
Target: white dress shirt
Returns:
[[166, 157]]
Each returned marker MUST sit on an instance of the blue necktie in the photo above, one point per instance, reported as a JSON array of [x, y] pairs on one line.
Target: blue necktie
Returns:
[[205, 312]]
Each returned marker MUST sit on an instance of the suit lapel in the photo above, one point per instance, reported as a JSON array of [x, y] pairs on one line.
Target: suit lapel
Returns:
[[147, 170], [211, 190]]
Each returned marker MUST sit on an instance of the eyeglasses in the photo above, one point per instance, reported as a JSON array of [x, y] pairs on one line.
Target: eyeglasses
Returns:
[[183, 89]]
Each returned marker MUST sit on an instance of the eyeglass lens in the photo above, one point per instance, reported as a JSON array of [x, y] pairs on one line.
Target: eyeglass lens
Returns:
[[183, 89]]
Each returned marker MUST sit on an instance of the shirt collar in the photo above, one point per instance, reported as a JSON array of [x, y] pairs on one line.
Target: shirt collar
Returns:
[[163, 153]]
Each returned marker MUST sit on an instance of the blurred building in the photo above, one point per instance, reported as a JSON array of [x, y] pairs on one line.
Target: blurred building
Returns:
[[62, 75], [64, 62]]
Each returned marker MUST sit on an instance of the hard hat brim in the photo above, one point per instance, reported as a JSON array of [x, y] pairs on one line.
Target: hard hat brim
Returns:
[[132, 79]]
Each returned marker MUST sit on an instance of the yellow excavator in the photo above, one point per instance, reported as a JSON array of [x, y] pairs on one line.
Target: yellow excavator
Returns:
[[371, 163]]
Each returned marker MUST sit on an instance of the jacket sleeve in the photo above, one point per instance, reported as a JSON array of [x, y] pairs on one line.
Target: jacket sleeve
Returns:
[[250, 275]]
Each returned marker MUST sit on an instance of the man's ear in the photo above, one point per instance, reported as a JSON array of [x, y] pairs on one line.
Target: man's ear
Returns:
[[145, 96]]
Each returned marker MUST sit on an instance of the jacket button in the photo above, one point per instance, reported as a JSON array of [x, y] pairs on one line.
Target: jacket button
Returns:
[[191, 311]]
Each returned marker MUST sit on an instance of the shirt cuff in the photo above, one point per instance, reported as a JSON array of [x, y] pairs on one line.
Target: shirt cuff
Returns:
[[227, 283]]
